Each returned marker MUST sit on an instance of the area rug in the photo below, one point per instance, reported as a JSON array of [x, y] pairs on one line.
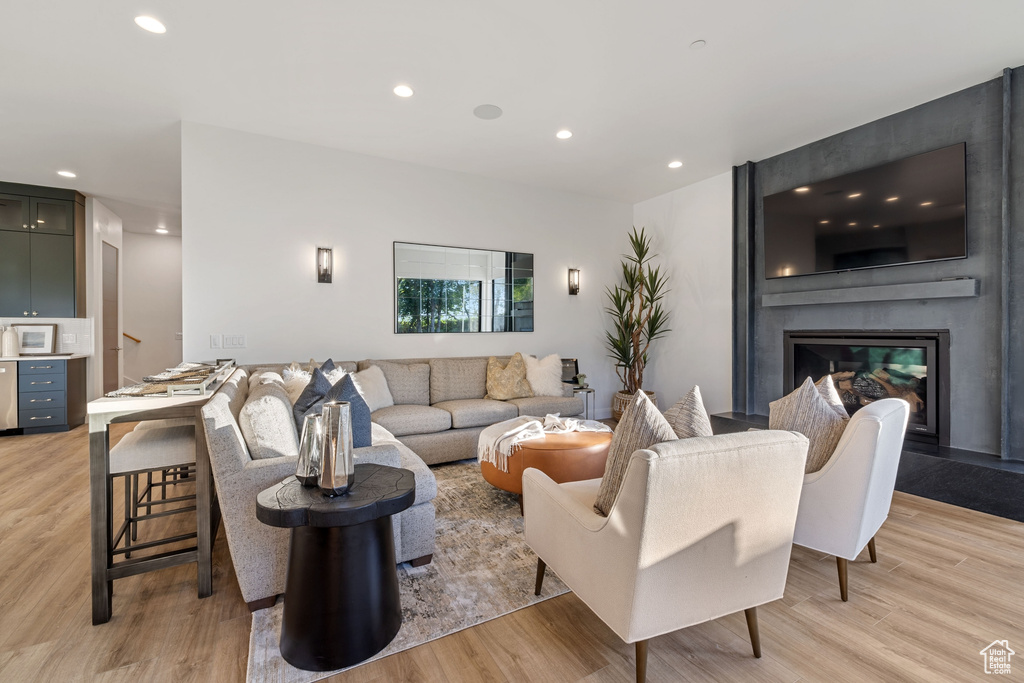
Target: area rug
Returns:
[[482, 569]]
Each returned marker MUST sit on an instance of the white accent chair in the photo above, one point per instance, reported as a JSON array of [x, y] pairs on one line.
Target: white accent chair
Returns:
[[844, 503], [701, 528]]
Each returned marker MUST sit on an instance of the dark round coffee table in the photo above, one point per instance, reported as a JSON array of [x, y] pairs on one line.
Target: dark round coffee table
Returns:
[[341, 603]]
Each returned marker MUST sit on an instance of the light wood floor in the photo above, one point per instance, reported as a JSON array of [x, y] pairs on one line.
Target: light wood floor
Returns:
[[948, 582]]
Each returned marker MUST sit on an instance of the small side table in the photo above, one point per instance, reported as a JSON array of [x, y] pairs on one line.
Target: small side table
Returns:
[[589, 400], [342, 604]]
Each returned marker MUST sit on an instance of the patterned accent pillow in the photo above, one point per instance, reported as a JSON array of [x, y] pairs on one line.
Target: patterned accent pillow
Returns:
[[266, 423], [545, 375], [688, 417], [642, 425], [345, 390], [505, 382], [807, 412], [827, 389]]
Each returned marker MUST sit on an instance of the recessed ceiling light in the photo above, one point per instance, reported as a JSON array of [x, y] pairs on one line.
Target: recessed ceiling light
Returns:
[[675, 164], [698, 44], [852, 224], [824, 222], [854, 195], [892, 199], [876, 225], [40, 220], [150, 24], [67, 174], [563, 134], [487, 112], [162, 231], [926, 203], [403, 91], [802, 189]]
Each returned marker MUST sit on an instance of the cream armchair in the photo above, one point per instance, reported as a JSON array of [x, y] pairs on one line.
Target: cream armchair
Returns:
[[844, 503], [701, 528]]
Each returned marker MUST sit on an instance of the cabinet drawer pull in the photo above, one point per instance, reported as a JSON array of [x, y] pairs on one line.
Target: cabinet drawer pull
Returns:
[[48, 417], [40, 382], [40, 400], [40, 367]]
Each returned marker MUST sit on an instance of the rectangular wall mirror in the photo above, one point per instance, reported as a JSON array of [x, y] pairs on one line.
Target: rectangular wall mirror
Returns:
[[452, 289]]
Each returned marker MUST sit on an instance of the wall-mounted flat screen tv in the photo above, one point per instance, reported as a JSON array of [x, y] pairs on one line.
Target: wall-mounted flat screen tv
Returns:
[[906, 211]]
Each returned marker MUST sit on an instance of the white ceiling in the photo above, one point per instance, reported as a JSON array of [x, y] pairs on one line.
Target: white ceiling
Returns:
[[85, 89]]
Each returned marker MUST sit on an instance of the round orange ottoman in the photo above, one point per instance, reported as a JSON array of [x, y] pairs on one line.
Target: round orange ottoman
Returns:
[[573, 456]]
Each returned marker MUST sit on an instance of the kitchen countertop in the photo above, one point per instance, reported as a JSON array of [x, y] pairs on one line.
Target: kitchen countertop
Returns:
[[64, 356]]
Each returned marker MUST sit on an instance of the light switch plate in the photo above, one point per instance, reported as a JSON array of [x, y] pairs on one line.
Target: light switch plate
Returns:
[[177, 336], [69, 338], [214, 341]]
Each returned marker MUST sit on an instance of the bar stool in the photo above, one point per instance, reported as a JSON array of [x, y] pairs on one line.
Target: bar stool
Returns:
[[167, 450]]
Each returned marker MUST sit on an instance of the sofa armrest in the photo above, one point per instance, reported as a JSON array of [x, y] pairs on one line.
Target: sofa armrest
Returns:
[[379, 454], [269, 471]]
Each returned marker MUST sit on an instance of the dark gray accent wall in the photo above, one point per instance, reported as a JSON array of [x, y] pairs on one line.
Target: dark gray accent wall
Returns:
[[976, 324]]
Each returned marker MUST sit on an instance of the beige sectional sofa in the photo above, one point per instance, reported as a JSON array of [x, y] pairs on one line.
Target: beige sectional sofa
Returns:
[[260, 552], [440, 405]]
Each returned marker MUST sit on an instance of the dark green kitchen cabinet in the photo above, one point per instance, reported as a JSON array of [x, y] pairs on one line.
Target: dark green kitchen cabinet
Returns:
[[42, 252], [15, 274]]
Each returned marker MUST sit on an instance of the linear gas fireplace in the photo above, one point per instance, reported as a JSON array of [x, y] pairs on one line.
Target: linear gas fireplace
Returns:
[[870, 365]]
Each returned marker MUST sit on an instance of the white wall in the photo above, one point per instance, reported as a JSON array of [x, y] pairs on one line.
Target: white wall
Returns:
[[254, 208], [692, 227], [152, 303], [103, 225]]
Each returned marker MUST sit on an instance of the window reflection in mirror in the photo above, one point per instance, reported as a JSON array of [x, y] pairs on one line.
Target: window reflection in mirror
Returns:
[[451, 289]]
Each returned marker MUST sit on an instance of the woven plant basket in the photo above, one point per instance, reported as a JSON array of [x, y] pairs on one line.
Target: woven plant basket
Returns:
[[621, 399]]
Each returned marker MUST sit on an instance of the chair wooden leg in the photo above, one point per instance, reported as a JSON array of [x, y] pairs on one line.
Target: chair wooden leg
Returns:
[[871, 550], [262, 603], [641, 661], [540, 576], [755, 636], [841, 564]]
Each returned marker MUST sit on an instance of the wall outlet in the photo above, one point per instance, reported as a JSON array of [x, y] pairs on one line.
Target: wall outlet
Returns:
[[214, 341], [178, 336], [69, 338], [234, 341]]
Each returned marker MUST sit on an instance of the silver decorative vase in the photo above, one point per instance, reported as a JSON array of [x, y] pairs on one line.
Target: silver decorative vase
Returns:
[[337, 464], [311, 447]]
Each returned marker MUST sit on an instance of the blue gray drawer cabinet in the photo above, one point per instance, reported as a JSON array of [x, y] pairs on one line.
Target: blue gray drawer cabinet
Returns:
[[51, 395]]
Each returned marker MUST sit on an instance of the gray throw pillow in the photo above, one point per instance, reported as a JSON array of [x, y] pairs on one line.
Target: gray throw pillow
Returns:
[[827, 388], [311, 398], [642, 425], [345, 390], [688, 417], [807, 412]]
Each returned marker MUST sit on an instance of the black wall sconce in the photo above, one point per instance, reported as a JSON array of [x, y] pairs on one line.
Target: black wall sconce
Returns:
[[324, 264], [574, 281]]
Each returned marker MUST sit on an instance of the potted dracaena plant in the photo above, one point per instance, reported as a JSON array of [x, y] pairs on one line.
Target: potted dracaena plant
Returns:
[[635, 305]]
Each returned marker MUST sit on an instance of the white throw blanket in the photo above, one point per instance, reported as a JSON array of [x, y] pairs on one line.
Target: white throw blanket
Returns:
[[501, 440]]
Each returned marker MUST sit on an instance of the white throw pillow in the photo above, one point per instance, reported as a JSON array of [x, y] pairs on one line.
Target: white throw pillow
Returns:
[[293, 371], [373, 387], [545, 375], [294, 386]]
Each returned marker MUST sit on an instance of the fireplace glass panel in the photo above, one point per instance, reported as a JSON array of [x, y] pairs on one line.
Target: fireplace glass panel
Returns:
[[864, 374]]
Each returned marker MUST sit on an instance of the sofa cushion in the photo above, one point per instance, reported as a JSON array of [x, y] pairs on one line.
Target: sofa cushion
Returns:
[[453, 379], [373, 387], [688, 418], [403, 420], [409, 383], [539, 406], [507, 380], [426, 484], [267, 423], [544, 375], [642, 425], [345, 390], [476, 412]]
